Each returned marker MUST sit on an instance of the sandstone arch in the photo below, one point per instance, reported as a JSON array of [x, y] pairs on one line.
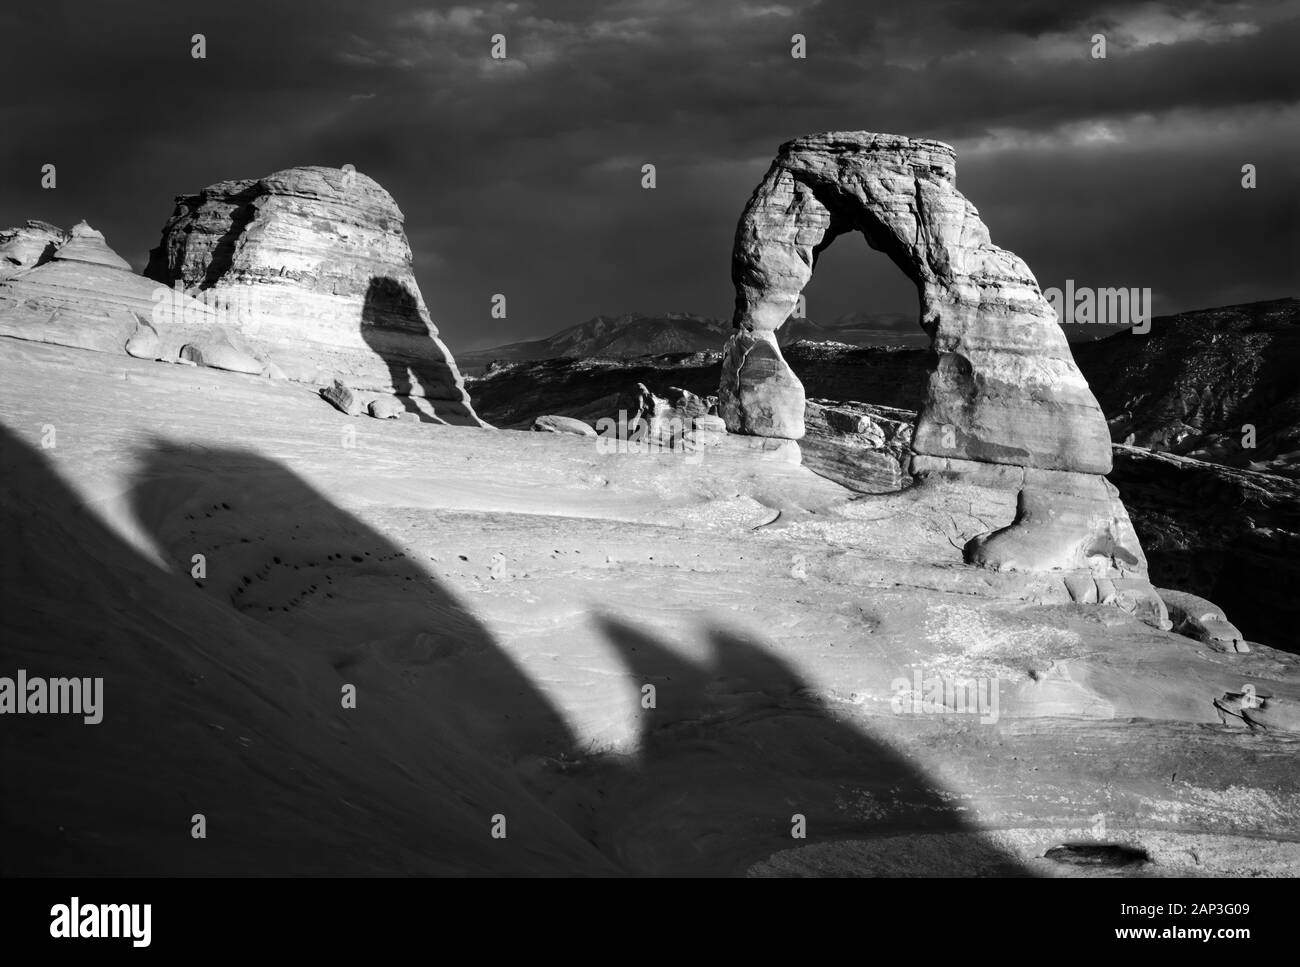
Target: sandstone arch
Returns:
[[1003, 389], [1004, 404]]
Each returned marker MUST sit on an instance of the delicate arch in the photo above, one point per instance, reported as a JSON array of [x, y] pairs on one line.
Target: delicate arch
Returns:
[[1003, 387]]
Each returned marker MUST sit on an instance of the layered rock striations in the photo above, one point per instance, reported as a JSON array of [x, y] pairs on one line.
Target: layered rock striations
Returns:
[[315, 264], [28, 246], [1004, 403], [70, 288], [1003, 387], [305, 274]]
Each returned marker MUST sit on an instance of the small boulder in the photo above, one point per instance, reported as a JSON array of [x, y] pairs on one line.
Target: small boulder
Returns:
[[144, 342], [687, 404], [386, 408], [342, 398], [1202, 620], [563, 424], [223, 351]]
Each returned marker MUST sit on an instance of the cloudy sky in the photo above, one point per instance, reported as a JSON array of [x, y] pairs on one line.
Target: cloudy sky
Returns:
[[523, 176]]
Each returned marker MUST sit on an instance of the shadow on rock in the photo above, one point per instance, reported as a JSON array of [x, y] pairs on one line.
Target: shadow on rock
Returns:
[[737, 747], [394, 328], [230, 625], [228, 638]]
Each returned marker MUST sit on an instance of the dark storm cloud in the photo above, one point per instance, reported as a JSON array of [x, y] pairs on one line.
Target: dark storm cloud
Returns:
[[523, 176]]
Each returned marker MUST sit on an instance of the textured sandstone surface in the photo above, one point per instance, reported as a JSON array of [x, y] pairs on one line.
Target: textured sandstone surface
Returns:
[[862, 447], [86, 244], [1203, 620], [1231, 536], [1004, 388], [72, 289], [316, 265], [759, 394], [28, 246], [451, 573], [679, 417]]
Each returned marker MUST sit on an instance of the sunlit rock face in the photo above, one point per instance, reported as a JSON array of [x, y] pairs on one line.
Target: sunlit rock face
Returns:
[[70, 288], [313, 267], [27, 246]]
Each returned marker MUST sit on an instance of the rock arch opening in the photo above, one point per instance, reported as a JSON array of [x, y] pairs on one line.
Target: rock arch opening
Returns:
[[854, 288]]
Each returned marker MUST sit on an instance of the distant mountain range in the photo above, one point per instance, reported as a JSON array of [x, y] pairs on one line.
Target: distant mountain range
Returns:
[[635, 334]]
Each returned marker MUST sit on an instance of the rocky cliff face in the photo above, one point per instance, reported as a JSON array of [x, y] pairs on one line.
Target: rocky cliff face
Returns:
[[1230, 535], [1198, 382], [317, 268]]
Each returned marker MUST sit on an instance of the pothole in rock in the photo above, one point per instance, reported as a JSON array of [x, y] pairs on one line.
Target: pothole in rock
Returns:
[[1098, 855]]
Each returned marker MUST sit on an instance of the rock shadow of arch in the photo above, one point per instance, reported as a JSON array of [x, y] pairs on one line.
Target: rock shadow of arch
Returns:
[[222, 693], [736, 746], [222, 697], [394, 326]]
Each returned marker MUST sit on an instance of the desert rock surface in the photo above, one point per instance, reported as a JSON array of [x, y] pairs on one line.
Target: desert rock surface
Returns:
[[502, 600]]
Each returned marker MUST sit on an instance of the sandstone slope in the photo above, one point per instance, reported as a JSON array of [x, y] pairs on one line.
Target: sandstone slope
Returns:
[[501, 601]]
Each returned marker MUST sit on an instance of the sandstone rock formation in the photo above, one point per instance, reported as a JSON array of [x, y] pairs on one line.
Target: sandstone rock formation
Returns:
[[1231, 536], [318, 270], [341, 398], [72, 289], [563, 424], [860, 446], [759, 394], [144, 342], [676, 404], [1203, 620], [224, 350], [386, 408], [1003, 388], [87, 245], [28, 246], [1004, 403]]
